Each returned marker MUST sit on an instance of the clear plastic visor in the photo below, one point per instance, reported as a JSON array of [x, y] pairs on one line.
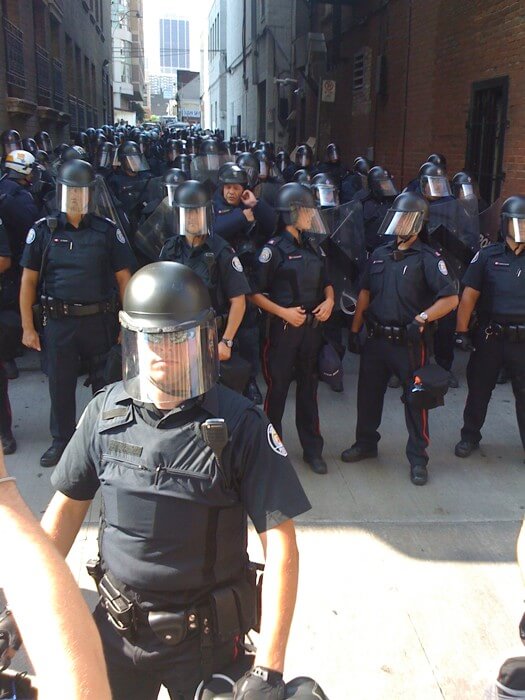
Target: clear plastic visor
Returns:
[[193, 222], [160, 367], [253, 175], [516, 229], [387, 187], [282, 165], [435, 186], [264, 170], [74, 200], [333, 156], [309, 220], [302, 161], [136, 164], [326, 195], [170, 191], [105, 159], [465, 192], [11, 146], [404, 224]]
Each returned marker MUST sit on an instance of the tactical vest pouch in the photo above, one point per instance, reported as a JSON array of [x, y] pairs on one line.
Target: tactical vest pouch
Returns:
[[225, 615], [170, 627], [121, 611]]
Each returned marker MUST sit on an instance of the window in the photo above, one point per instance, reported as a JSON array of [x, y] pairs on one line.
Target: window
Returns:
[[358, 76]]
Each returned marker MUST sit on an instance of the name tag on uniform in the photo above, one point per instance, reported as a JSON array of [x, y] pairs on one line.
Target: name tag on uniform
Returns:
[[377, 262], [501, 264], [295, 257]]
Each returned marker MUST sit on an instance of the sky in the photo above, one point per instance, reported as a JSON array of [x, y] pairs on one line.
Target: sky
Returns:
[[196, 11]]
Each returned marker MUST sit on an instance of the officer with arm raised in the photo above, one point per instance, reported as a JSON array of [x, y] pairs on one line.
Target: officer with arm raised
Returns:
[[180, 462]]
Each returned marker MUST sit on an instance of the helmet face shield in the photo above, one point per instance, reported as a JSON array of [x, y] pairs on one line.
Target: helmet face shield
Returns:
[[435, 186], [325, 195], [303, 160], [308, 219], [465, 191], [333, 155], [135, 164], [193, 222], [74, 200], [386, 187], [516, 229], [178, 362], [403, 224]]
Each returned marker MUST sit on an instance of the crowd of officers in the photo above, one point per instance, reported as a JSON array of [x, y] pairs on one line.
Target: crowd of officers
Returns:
[[218, 259], [260, 230]]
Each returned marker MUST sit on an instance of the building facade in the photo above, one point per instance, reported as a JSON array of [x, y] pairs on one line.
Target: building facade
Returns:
[[127, 35], [55, 66]]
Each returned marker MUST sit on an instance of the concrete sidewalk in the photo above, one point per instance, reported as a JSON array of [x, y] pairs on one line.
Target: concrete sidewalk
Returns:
[[405, 592]]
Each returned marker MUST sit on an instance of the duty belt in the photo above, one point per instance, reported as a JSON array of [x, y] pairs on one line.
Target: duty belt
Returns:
[[513, 332], [394, 334], [56, 308]]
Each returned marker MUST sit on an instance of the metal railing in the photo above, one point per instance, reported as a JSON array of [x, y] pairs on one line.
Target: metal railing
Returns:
[[81, 115], [14, 48], [43, 73], [72, 109], [58, 84]]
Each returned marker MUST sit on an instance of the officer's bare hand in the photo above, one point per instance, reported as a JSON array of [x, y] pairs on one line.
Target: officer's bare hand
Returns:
[[225, 352], [295, 316], [324, 310], [249, 199], [248, 213], [31, 339]]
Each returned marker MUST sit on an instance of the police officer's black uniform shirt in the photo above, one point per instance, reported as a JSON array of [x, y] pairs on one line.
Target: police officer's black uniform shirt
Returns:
[[171, 523], [399, 290], [215, 262], [5, 248], [499, 274], [292, 273], [81, 262]]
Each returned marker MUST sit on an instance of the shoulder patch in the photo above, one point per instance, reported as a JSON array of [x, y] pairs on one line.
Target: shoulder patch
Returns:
[[275, 441], [31, 235], [273, 241], [265, 255], [437, 253], [120, 236], [237, 264], [442, 267], [475, 258]]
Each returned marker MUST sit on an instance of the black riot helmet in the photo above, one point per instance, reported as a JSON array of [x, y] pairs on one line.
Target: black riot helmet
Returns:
[[304, 156], [433, 181], [144, 143], [295, 205], [380, 183], [75, 187], [325, 190], [438, 159], [464, 185], [406, 217], [11, 141], [82, 140], [209, 147], [513, 218], [91, 133], [105, 155], [249, 163], [183, 162], [243, 146], [43, 141], [282, 160], [29, 145], [191, 145], [303, 177], [332, 154], [42, 158], [107, 130], [171, 150], [131, 159], [233, 174], [266, 166], [192, 200], [171, 180], [169, 336], [362, 165], [73, 153]]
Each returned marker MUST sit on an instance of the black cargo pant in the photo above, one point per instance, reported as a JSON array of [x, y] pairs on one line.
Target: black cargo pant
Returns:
[[288, 348], [248, 339], [491, 355], [444, 341], [380, 358], [137, 670], [67, 342]]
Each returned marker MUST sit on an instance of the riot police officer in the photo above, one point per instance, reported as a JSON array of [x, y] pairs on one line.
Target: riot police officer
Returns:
[[17, 206], [356, 181], [495, 288], [304, 158], [376, 201], [76, 260], [211, 258], [332, 164], [325, 190], [292, 272], [405, 286], [11, 141], [179, 462]]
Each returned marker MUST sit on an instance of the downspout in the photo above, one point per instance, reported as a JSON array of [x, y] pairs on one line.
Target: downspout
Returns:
[[407, 71]]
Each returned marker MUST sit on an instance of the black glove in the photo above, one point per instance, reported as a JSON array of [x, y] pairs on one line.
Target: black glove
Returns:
[[413, 332], [462, 341], [10, 639], [260, 684], [354, 343]]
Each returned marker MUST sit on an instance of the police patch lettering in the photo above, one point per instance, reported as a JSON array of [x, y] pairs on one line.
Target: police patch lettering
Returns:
[[442, 267], [275, 441], [475, 258], [237, 264], [120, 236], [265, 255], [31, 235]]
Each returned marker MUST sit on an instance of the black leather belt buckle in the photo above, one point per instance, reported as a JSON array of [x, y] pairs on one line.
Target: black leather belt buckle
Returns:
[[170, 627]]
